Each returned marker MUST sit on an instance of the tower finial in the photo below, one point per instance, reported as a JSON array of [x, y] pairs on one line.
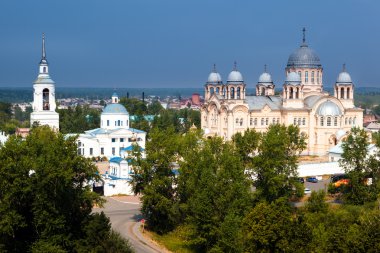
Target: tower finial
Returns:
[[304, 35], [344, 67], [265, 68], [235, 65], [43, 59], [214, 70]]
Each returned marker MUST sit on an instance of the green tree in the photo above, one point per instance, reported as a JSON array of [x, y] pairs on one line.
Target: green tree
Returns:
[[317, 202], [275, 164]]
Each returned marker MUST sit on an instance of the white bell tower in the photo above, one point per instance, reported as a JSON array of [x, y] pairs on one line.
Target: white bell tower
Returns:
[[44, 96]]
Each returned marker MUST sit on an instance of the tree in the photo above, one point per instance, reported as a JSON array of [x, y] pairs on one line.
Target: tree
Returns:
[[316, 202], [275, 164], [358, 164], [45, 198]]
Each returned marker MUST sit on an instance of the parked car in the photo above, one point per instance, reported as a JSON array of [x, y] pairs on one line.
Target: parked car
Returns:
[[341, 182], [301, 180], [307, 191], [312, 179]]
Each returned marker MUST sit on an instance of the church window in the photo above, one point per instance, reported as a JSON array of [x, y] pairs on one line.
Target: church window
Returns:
[[295, 121], [108, 122], [121, 123], [232, 93], [328, 121], [318, 77], [102, 151], [241, 121], [348, 93], [273, 120], [336, 121], [291, 93], [251, 121], [44, 69], [91, 151], [266, 121], [262, 121], [322, 119], [312, 76], [345, 121], [303, 121], [238, 93], [255, 122], [113, 139], [45, 99], [118, 122], [306, 76], [350, 121], [115, 123], [299, 121], [354, 121], [237, 121], [121, 139], [127, 122], [113, 151], [342, 92]]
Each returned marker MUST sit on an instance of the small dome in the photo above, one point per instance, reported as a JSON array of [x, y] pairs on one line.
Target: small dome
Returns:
[[235, 77], [115, 109], [214, 78], [293, 78], [115, 94], [344, 77], [304, 57], [265, 78], [329, 108]]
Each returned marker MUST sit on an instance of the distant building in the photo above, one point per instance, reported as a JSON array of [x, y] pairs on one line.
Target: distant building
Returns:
[[113, 135], [324, 119], [44, 96]]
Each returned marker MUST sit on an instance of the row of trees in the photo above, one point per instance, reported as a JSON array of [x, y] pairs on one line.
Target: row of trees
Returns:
[[45, 200], [10, 121], [235, 196]]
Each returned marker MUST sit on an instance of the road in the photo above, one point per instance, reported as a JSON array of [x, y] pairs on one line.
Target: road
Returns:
[[125, 216]]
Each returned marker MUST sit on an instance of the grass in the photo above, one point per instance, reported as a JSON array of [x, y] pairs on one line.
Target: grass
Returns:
[[175, 241]]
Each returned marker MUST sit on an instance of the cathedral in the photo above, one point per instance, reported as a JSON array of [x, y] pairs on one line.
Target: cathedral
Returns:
[[323, 118]]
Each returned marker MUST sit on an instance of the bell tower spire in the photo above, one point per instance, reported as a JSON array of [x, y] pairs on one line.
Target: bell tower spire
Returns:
[[44, 68]]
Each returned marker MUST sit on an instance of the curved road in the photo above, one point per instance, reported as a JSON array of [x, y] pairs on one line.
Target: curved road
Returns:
[[125, 218]]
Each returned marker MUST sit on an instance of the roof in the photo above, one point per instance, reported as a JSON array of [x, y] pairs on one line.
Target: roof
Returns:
[[130, 148], [304, 57], [97, 131], [373, 125], [310, 101], [339, 150], [259, 102], [115, 109], [116, 159]]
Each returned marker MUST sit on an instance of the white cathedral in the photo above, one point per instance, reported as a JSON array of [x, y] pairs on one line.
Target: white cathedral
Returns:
[[114, 137], [325, 119]]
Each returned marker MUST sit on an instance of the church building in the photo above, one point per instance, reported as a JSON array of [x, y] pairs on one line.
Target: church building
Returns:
[[323, 118], [44, 96]]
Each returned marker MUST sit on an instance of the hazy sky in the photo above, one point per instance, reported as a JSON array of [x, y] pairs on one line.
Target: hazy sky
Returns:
[[174, 43]]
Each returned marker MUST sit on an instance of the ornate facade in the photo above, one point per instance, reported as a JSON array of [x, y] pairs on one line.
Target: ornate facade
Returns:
[[325, 119]]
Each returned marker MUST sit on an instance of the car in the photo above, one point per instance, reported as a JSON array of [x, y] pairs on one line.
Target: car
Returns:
[[341, 182], [301, 180], [307, 191], [312, 179]]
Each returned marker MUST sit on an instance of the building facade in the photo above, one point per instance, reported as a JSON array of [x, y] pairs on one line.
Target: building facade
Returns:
[[44, 96], [323, 118]]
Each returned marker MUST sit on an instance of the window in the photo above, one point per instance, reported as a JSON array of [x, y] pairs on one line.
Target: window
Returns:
[[262, 121], [312, 76], [241, 121], [322, 119], [266, 121], [350, 121], [299, 73], [237, 121], [121, 139], [318, 77], [118, 122], [127, 122], [251, 121], [121, 123], [274, 121], [255, 122], [306, 76], [304, 121], [44, 69], [345, 121], [328, 121], [102, 151], [295, 121], [354, 122], [113, 151], [299, 121], [108, 122], [91, 151], [115, 123], [278, 120], [336, 121], [113, 139]]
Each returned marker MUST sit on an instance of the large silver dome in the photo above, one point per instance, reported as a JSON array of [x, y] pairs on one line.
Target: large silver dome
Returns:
[[214, 78], [329, 108], [293, 78], [344, 77], [304, 57], [235, 77], [265, 78]]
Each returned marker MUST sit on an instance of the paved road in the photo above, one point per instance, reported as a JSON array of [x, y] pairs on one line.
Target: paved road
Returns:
[[321, 185], [125, 218]]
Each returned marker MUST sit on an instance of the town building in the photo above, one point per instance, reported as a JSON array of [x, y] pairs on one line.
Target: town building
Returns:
[[44, 96], [323, 118]]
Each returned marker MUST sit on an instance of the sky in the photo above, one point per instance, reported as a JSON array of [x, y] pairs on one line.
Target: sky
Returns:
[[174, 43]]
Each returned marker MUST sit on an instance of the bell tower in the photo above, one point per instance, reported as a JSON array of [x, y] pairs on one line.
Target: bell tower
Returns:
[[44, 95]]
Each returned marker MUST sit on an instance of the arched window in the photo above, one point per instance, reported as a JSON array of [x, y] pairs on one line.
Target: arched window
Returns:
[[328, 121], [237, 121], [262, 121], [336, 121], [44, 70], [318, 77], [304, 121], [345, 121], [266, 121], [232, 92], [251, 121], [299, 121], [212, 90], [238, 93], [290, 92], [312, 76], [295, 121], [278, 120], [45, 99], [342, 92], [322, 121], [354, 122], [348, 93], [255, 122], [306, 76], [241, 121], [274, 121], [299, 73], [350, 121]]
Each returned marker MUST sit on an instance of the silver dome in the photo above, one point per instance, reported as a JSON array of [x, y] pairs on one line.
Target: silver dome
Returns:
[[344, 77], [214, 78], [329, 108], [235, 77], [265, 78], [293, 78], [304, 57]]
